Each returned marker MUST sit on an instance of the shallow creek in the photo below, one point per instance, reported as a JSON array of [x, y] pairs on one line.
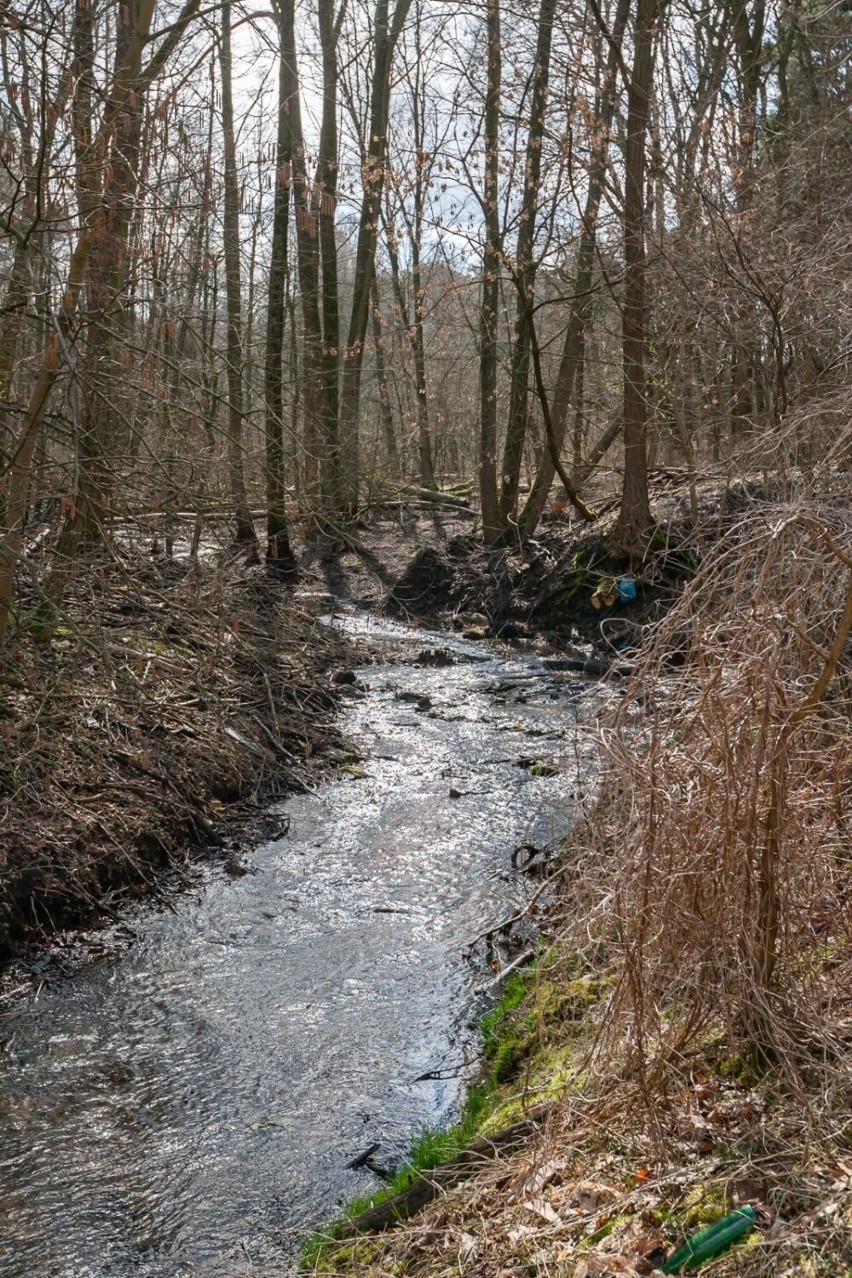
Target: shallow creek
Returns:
[[188, 1106]]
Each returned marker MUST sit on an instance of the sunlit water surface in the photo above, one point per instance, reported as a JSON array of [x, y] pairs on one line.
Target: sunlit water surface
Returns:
[[189, 1106]]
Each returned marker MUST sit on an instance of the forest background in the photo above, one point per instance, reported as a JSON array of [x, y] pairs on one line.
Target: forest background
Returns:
[[421, 243]]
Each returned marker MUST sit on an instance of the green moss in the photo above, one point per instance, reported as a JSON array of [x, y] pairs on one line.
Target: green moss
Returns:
[[609, 1228], [748, 1068], [493, 1025], [703, 1205], [351, 1257], [525, 1033]]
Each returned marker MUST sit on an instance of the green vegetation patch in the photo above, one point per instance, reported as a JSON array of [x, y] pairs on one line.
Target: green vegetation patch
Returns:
[[526, 1035]]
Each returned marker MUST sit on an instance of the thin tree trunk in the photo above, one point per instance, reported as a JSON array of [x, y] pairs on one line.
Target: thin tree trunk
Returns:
[[597, 452], [386, 34], [635, 514], [325, 208], [385, 413], [279, 554], [578, 318], [578, 442], [516, 429], [245, 534], [418, 343], [492, 524], [314, 402]]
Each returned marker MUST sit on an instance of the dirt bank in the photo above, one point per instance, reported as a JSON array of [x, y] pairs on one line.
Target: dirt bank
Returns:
[[561, 587], [168, 693]]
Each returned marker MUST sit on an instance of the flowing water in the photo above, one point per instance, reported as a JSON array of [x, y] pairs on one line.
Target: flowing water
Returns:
[[188, 1106]]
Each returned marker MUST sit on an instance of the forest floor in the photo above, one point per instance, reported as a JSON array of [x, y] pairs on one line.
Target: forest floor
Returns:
[[425, 564]]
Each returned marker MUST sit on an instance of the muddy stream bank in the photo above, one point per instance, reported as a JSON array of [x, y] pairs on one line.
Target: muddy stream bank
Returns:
[[188, 1107]]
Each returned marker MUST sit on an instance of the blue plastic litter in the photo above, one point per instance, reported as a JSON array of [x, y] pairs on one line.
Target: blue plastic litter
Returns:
[[626, 589]]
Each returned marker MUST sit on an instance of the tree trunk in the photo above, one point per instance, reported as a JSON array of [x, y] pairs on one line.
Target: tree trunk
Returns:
[[245, 534], [386, 34], [280, 559], [525, 269], [581, 303], [492, 524], [385, 413], [635, 514], [20, 466], [325, 206], [316, 433]]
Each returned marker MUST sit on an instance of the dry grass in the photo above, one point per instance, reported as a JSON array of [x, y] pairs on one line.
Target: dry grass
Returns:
[[587, 1199], [724, 885]]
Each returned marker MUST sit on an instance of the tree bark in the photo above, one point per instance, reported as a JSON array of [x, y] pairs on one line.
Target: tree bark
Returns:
[[635, 513], [385, 412], [386, 34], [516, 429], [492, 524], [20, 465], [245, 534], [581, 303], [280, 559], [319, 444]]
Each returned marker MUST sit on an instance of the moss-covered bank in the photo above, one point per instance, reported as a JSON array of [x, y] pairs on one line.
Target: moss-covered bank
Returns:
[[596, 1192], [529, 1059]]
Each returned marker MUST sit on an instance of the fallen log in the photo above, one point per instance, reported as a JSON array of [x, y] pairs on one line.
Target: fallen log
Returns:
[[438, 498], [415, 503], [587, 666], [428, 1185]]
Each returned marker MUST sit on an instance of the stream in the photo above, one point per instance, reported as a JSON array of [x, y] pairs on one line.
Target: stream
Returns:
[[186, 1106]]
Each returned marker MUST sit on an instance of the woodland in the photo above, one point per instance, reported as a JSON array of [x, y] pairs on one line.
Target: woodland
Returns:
[[578, 274]]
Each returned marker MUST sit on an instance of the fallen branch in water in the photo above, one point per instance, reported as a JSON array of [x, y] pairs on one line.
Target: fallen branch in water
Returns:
[[428, 1185]]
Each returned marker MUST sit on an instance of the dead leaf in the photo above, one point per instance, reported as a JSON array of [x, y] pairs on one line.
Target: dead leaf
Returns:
[[542, 1208], [468, 1247], [604, 1266], [541, 1176], [589, 1195], [650, 1243]]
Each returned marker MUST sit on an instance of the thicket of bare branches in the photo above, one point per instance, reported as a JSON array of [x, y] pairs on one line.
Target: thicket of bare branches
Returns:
[[723, 833]]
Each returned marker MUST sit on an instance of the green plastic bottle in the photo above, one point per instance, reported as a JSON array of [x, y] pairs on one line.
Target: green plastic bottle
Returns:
[[712, 1241]]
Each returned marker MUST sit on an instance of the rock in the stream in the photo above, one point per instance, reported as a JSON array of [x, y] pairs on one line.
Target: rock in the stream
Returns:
[[436, 657], [421, 702], [236, 865], [529, 859], [360, 1159], [536, 767], [506, 630], [344, 677]]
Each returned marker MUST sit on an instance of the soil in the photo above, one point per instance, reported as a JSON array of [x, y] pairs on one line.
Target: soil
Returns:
[[432, 569]]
